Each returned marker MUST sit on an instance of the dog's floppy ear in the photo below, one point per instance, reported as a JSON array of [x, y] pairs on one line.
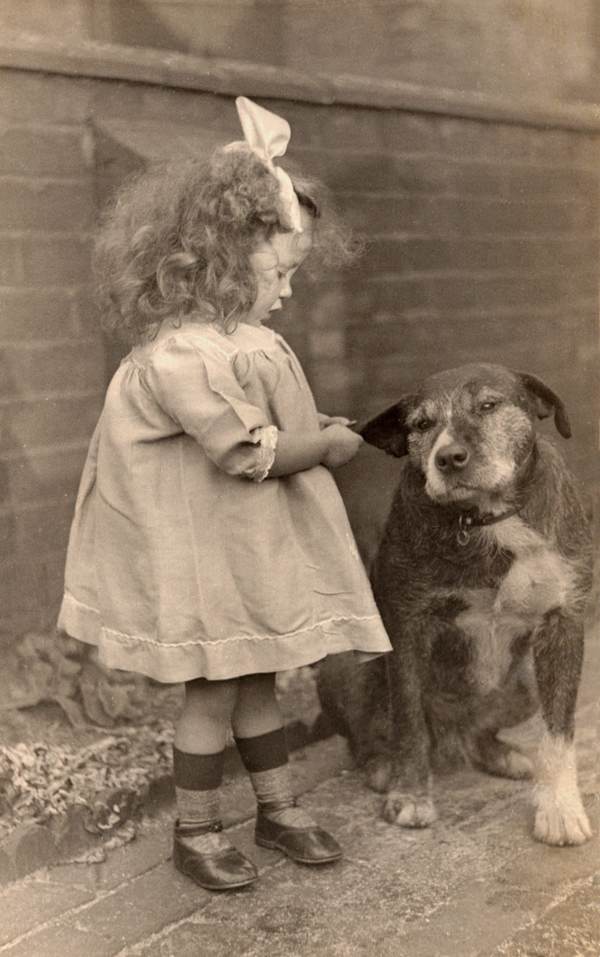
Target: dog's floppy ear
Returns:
[[545, 401], [388, 430]]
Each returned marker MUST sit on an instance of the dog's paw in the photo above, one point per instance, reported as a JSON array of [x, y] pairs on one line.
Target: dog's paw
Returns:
[[408, 810], [516, 765], [560, 819], [378, 772], [508, 763]]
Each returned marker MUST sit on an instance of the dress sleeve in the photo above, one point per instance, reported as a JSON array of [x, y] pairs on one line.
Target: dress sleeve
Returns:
[[197, 388]]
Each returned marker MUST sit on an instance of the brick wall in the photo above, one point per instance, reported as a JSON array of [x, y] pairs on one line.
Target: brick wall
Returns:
[[482, 244], [520, 48], [50, 364]]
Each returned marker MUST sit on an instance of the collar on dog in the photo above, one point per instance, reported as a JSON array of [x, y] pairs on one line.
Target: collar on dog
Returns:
[[469, 520]]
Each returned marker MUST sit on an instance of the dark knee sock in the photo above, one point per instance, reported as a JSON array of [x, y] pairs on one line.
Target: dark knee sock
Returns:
[[198, 778], [265, 757]]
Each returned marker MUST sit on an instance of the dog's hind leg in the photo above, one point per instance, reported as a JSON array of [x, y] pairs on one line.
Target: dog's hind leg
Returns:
[[515, 702], [499, 758], [354, 702], [558, 653]]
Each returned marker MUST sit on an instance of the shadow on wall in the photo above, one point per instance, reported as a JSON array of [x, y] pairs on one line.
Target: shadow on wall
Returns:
[[123, 149], [114, 163], [36, 485], [252, 31], [543, 50], [133, 24], [8, 441]]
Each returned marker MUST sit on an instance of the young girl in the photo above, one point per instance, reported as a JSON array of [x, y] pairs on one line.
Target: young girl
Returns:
[[210, 545]]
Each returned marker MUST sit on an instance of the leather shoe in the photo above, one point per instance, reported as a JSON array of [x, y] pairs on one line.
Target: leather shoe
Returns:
[[219, 871], [305, 845]]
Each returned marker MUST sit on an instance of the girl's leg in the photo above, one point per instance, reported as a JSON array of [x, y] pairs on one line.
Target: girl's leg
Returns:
[[257, 709], [200, 850], [260, 737], [206, 716], [199, 748]]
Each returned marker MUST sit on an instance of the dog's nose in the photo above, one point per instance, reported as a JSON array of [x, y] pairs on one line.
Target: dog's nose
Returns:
[[451, 456]]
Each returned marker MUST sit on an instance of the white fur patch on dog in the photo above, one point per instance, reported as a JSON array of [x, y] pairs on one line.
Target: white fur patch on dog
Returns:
[[517, 765], [492, 630], [436, 485], [410, 810], [539, 579], [560, 816]]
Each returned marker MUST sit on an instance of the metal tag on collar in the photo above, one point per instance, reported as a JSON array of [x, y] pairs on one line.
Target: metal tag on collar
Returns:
[[463, 534]]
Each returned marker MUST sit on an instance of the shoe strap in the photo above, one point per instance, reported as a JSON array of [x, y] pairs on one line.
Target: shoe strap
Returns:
[[268, 807], [195, 830]]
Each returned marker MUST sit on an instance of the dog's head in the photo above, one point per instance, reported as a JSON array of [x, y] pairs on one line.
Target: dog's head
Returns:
[[469, 430]]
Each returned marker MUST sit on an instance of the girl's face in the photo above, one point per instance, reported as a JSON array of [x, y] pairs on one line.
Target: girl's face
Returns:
[[273, 264]]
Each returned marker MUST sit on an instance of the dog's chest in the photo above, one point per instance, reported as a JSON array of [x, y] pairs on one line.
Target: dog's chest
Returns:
[[538, 580]]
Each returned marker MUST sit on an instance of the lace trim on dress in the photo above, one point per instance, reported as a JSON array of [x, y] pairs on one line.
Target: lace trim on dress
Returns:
[[266, 437], [111, 634]]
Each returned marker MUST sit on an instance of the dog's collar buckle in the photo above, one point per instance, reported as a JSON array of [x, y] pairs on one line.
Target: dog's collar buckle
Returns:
[[467, 521]]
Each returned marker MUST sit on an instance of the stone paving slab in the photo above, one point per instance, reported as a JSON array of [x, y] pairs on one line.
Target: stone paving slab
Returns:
[[475, 884], [571, 928], [141, 907], [63, 941], [443, 893], [135, 892], [25, 907]]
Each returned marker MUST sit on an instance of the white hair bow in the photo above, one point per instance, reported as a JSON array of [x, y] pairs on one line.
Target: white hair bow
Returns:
[[268, 136]]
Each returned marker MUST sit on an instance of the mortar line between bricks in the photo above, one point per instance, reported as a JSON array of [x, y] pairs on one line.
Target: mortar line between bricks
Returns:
[[41, 344], [38, 345], [493, 160], [447, 191], [580, 311], [38, 181], [72, 912], [557, 200], [76, 235], [444, 237], [132, 950], [40, 503], [33, 450], [70, 290], [50, 396], [8, 124], [435, 908], [484, 275], [100, 895]]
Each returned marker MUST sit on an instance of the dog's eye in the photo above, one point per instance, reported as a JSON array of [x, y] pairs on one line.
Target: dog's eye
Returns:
[[424, 424], [489, 405]]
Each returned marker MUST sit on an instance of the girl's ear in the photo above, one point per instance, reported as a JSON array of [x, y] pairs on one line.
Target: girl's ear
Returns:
[[545, 401], [388, 430]]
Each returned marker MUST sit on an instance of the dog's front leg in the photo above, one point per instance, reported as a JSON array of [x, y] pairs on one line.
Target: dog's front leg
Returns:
[[409, 802], [560, 817]]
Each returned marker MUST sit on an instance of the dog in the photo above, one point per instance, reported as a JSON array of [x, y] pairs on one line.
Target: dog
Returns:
[[480, 578]]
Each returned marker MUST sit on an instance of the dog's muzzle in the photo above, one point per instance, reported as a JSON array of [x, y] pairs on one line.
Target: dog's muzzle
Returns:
[[452, 457]]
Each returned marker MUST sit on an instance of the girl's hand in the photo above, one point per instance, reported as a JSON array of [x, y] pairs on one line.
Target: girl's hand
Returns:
[[342, 445], [327, 420]]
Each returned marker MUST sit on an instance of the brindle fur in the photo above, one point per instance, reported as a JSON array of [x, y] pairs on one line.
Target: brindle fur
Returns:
[[426, 705]]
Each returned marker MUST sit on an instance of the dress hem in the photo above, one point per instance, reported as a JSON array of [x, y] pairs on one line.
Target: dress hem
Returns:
[[221, 659]]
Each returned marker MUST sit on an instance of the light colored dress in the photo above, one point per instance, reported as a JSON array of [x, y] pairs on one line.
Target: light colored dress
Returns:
[[183, 562]]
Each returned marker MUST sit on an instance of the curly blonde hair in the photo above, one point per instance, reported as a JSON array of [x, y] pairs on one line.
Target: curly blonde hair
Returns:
[[177, 240]]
